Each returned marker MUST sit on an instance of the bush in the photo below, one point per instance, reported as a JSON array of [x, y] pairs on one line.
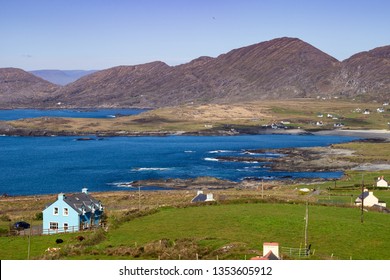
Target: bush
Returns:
[[38, 216], [95, 238]]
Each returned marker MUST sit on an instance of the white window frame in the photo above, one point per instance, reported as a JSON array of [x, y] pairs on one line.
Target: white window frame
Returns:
[[51, 224], [65, 211], [66, 226], [56, 210]]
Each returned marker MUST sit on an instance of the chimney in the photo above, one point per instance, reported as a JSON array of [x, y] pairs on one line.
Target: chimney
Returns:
[[199, 192], [271, 246], [84, 190], [61, 196], [209, 197]]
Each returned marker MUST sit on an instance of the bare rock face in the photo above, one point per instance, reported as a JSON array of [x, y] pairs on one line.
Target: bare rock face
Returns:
[[282, 68]]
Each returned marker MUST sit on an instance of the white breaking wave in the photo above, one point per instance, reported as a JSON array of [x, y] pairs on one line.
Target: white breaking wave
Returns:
[[211, 159], [150, 169], [220, 151], [122, 184], [189, 151]]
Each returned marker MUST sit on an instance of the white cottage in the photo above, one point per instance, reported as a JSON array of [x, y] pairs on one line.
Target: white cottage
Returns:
[[201, 197], [369, 200], [382, 183]]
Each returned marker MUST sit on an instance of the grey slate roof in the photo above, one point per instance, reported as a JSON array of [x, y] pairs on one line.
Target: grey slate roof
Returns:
[[82, 201], [199, 198], [363, 195]]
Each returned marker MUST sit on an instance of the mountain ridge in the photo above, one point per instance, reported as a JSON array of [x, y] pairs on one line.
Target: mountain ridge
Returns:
[[281, 68]]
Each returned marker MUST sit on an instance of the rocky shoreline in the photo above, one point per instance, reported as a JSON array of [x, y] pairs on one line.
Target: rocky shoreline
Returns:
[[313, 159]]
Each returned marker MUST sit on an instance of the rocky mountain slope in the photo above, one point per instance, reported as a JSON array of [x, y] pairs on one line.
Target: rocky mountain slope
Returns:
[[22, 89], [282, 68]]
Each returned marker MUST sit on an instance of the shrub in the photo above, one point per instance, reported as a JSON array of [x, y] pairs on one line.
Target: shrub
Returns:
[[38, 216]]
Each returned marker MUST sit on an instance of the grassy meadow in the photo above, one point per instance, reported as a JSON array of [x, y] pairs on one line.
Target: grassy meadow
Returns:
[[221, 231]]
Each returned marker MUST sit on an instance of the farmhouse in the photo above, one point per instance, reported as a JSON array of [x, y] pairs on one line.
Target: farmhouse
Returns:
[[72, 213], [382, 183], [201, 197], [369, 200]]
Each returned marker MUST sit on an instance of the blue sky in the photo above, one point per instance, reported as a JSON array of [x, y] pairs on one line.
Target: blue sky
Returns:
[[86, 34]]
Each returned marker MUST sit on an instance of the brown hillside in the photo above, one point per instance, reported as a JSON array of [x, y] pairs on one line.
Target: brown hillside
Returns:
[[20, 88], [285, 68], [368, 73]]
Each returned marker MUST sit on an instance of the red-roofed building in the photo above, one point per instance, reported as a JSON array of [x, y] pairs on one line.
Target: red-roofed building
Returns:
[[270, 252]]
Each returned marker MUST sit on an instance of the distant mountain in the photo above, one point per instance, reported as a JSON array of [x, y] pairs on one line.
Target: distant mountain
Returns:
[[282, 68], [21, 89], [368, 74], [61, 77]]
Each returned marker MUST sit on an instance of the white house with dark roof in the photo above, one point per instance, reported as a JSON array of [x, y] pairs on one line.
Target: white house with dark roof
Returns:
[[72, 213], [201, 197], [369, 200]]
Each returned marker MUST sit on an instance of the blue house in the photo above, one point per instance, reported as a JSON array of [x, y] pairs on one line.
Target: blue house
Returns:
[[72, 213]]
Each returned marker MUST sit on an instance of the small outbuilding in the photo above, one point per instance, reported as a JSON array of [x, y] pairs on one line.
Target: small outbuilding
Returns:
[[270, 252]]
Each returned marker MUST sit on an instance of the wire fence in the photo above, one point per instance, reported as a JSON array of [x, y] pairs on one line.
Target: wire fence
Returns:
[[295, 252], [38, 230]]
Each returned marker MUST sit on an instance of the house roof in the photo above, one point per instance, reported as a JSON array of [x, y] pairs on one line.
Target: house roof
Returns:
[[199, 198], [79, 202], [269, 256], [82, 201], [363, 195]]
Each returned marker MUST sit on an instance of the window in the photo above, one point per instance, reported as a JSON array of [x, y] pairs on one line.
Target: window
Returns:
[[53, 225], [55, 211], [66, 211], [66, 226]]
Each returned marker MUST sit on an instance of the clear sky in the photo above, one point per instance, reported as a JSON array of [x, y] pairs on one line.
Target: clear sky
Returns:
[[86, 34]]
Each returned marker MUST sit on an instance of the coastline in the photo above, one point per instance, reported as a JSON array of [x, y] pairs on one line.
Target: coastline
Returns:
[[8, 130]]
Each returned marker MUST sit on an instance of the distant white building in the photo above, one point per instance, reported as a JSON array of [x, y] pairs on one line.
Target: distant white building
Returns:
[[201, 197], [366, 112], [380, 110], [369, 200], [382, 183]]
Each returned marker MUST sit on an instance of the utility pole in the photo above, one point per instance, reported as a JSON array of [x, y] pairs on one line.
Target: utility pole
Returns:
[[306, 223], [262, 189], [29, 243], [139, 198], [362, 209]]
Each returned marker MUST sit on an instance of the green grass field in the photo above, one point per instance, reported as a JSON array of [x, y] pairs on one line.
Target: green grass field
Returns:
[[227, 231]]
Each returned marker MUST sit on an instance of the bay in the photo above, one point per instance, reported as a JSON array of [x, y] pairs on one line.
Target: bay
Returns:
[[16, 114], [45, 165]]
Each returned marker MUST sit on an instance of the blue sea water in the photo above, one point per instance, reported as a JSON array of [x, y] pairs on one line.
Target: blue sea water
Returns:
[[16, 114], [43, 165]]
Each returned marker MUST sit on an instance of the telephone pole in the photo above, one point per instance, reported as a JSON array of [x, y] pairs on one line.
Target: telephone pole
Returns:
[[362, 209], [306, 223]]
